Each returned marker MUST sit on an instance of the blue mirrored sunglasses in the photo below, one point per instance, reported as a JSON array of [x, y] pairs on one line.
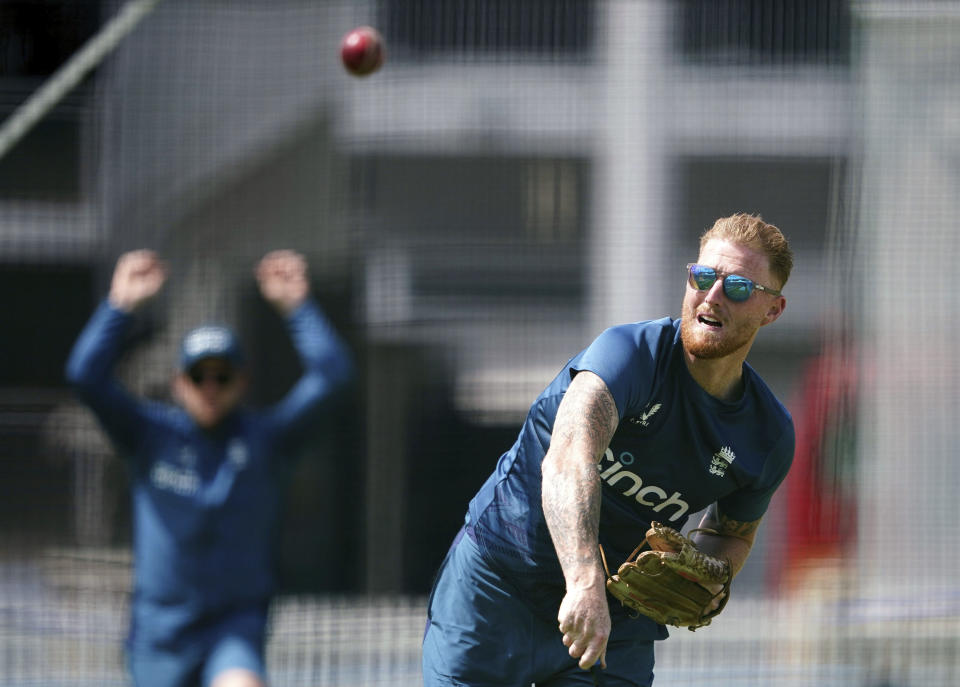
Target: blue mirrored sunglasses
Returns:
[[737, 288]]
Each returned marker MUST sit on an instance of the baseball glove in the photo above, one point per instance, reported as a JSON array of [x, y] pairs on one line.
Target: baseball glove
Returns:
[[664, 583]]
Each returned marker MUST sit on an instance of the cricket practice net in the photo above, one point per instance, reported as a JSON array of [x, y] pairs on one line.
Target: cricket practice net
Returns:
[[516, 177]]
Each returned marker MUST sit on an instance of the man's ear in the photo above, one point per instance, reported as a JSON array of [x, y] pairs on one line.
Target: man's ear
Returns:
[[775, 310]]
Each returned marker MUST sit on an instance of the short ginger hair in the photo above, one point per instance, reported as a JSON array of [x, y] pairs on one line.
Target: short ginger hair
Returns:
[[752, 232]]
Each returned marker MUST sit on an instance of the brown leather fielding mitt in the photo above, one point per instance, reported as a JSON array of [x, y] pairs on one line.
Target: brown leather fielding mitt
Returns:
[[664, 583]]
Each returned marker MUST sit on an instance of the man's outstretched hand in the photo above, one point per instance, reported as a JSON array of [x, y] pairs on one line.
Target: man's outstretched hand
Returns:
[[282, 276], [138, 277]]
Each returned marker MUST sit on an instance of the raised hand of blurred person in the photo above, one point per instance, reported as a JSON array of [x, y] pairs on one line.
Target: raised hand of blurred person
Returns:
[[283, 280], [138, 277]]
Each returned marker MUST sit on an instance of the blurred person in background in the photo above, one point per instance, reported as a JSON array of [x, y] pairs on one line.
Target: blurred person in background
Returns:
[[820, 493], [207, 477], [654, 421]]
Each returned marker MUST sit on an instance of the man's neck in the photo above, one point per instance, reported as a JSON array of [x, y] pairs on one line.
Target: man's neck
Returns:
[[722, 378]]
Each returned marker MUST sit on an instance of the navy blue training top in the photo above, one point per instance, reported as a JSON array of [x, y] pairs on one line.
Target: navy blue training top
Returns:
[[676, 451], [205, 503]]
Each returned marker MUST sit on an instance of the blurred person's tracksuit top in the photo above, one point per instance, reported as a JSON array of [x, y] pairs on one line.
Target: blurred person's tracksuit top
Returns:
[[206, 504]]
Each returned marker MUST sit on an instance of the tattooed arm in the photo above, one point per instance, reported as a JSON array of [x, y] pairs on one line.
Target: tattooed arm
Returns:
[[585, 422], [735, 540]]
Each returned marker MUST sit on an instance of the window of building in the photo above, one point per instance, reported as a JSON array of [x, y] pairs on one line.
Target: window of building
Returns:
[[548, 28], [759, 32]]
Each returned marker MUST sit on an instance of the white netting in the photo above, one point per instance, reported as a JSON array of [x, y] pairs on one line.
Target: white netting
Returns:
[[516, 177]]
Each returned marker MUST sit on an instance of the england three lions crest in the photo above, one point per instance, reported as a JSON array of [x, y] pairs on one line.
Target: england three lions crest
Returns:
[[721, 460]]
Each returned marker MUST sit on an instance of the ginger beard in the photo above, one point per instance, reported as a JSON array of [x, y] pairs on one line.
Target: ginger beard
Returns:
[[707, 342]]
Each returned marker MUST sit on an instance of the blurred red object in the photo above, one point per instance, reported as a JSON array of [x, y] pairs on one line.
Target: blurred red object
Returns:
[[820, 488]]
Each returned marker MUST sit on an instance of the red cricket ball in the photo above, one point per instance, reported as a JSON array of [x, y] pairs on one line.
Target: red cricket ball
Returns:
[[362, 51]]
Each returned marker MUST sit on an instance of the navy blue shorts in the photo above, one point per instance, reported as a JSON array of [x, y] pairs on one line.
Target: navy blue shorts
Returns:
[[480, 633], [198, 654]]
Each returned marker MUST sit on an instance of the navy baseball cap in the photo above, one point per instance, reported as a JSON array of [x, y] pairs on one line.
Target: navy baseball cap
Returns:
[[210, 341]]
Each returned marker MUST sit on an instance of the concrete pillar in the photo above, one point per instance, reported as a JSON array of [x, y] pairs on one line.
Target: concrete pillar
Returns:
[[628, 233], [910, 313]]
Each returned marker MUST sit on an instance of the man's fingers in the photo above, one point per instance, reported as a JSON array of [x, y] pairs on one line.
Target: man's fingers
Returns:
[[588, 652], [141, 254], [594, 652], [138, 276], [584, 623]]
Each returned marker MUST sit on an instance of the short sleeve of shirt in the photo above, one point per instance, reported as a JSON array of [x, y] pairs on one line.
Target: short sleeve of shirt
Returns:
[[749, 504], [626, 359]]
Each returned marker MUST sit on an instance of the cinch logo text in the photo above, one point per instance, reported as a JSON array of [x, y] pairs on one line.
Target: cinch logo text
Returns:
[[651, 495]]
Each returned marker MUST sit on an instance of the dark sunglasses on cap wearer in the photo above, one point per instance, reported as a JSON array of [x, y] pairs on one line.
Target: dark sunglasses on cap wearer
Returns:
[[737, 288], [198, 377]]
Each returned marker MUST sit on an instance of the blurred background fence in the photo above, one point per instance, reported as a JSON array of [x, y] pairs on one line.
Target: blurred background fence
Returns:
[[518, 176]]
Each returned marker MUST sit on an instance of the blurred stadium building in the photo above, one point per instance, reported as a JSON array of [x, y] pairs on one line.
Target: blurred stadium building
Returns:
[[517, 177]]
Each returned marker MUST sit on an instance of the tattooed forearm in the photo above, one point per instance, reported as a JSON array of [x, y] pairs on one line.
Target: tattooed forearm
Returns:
[[571, 506], [585, 422], [733, 539], [736, 528]]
